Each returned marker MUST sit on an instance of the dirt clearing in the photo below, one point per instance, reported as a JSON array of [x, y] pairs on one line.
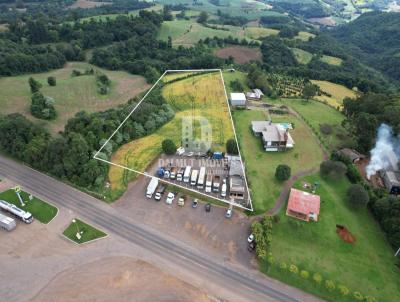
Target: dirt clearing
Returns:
[[122, 277], [88, 4], [240, 54]]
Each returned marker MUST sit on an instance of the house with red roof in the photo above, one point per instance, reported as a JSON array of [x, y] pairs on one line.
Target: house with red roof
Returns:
[[303, 205]]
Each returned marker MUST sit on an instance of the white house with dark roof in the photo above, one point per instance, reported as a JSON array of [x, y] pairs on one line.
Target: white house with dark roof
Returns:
[[275, 137]]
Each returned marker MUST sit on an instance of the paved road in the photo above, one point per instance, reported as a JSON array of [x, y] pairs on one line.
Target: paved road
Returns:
[[247, 284]]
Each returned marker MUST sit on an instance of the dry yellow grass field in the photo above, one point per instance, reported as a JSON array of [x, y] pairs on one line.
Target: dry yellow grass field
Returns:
[[207, 93], [259, 32], [337, 92]]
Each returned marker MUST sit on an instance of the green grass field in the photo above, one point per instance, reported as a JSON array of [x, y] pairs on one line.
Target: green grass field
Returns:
[[40, 210], [366, 265], [331, 60], [261, 165], [88, 233], [337, 92], [232, 76], [317, 113], [302, 56], [71, 95]]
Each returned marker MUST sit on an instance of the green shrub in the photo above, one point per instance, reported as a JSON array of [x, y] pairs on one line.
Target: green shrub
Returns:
[[52, 81], [358, 296], [330, 285], [344, 291], [304, 274], [282, 172], [168, 146], [317, 278], [357, 195], [293, 269], [283, 266], [231, 147]]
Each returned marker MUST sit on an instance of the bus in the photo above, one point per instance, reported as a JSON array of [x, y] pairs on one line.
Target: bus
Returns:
[[193, 178], [186, 175], [202, 178]]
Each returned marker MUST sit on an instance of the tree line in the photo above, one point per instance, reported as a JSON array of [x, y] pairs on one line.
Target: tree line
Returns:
[[69, 155]]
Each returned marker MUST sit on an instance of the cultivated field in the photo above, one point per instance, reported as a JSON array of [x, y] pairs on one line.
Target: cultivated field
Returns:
[[261, 165], [206, 92], [88, 4], [71, 95], [337, 93], [366, 265], [260, 32], [240, 54]]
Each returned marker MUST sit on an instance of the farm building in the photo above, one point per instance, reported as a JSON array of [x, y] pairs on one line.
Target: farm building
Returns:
[[238, 99], [256, 95], [236, 180], [392, 181], [303, 205], [275, 137], [352, 154]]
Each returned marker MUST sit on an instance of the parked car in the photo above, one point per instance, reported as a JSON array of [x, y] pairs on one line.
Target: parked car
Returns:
[[228, 213], [170, 198], [250, 239], [251, 247], [195, 203], [181, 201], [208, 207]]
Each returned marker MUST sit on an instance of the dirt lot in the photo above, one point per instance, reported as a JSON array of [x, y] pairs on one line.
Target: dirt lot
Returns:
[[121, 277], [240, 54]]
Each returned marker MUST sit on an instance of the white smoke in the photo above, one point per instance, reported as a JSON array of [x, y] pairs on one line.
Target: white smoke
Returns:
[[385, 153]]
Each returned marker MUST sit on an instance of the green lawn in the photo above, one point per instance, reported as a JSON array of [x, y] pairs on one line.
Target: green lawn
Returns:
[[71, 95], [261, 165], [232, 76], [302, 56], [366, 266], [88, 232], [40, 210], [317, 113]]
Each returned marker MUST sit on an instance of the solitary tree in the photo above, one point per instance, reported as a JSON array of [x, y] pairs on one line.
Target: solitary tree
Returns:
[[231, 147], [357, 195], [333, 170], [309, 91], [52, 81], [282, 172], [168, 146], [203, 17], [34, 85]]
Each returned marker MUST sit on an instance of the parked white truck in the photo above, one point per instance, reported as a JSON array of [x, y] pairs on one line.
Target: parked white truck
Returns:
[[209, 183], [186, 175], [7, 223], [151, 188], [193, 178], [24, 216], [202, 178]]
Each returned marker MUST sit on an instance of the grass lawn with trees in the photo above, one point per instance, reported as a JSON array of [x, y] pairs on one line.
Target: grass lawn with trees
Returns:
[[317, 113], [40, 210], [302, 56], [261, 165], [71, 94], [89, 233], [367, 265]]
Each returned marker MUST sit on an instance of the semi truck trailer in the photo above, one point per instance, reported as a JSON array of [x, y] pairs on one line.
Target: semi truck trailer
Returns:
[[17, 212], [7, 223], [151, 188]]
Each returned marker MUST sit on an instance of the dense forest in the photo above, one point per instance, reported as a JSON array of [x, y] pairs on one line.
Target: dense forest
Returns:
[[374, 38]]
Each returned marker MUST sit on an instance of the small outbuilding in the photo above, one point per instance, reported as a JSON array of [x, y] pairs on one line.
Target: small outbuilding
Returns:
[[256, 95], [303, 205], [352, 154], [392, 181], [236, 180], [238, 99]]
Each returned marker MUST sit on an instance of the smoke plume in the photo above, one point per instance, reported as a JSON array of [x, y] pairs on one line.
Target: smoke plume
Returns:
[[386, 152]]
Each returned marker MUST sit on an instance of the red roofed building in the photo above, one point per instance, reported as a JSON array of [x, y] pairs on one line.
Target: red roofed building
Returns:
[[303, 205]]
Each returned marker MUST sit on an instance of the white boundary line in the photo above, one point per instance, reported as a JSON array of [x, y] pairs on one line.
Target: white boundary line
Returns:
[[180, 186]]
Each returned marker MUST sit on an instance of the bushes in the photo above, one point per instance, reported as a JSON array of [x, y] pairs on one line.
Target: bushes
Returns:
[[52, 81], [42, 107], [262, 232], [357, 195], [168, 146], [282, 172], [332, 170], [34, 85], [231, 147], [103, 82]]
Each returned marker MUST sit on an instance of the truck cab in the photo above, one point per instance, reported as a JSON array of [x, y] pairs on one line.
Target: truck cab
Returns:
[[216, 183], [209, 183], [160, 191]]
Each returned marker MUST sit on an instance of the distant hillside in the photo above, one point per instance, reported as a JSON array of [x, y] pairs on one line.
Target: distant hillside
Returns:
[[374, 38]]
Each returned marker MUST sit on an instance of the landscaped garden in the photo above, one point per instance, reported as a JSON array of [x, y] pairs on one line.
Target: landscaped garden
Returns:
[[81, 232], [366, 266], [40, 210]]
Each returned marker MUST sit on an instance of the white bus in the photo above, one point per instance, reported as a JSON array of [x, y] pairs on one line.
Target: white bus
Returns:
[[193, 178], [202, 178], [186, 175]]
